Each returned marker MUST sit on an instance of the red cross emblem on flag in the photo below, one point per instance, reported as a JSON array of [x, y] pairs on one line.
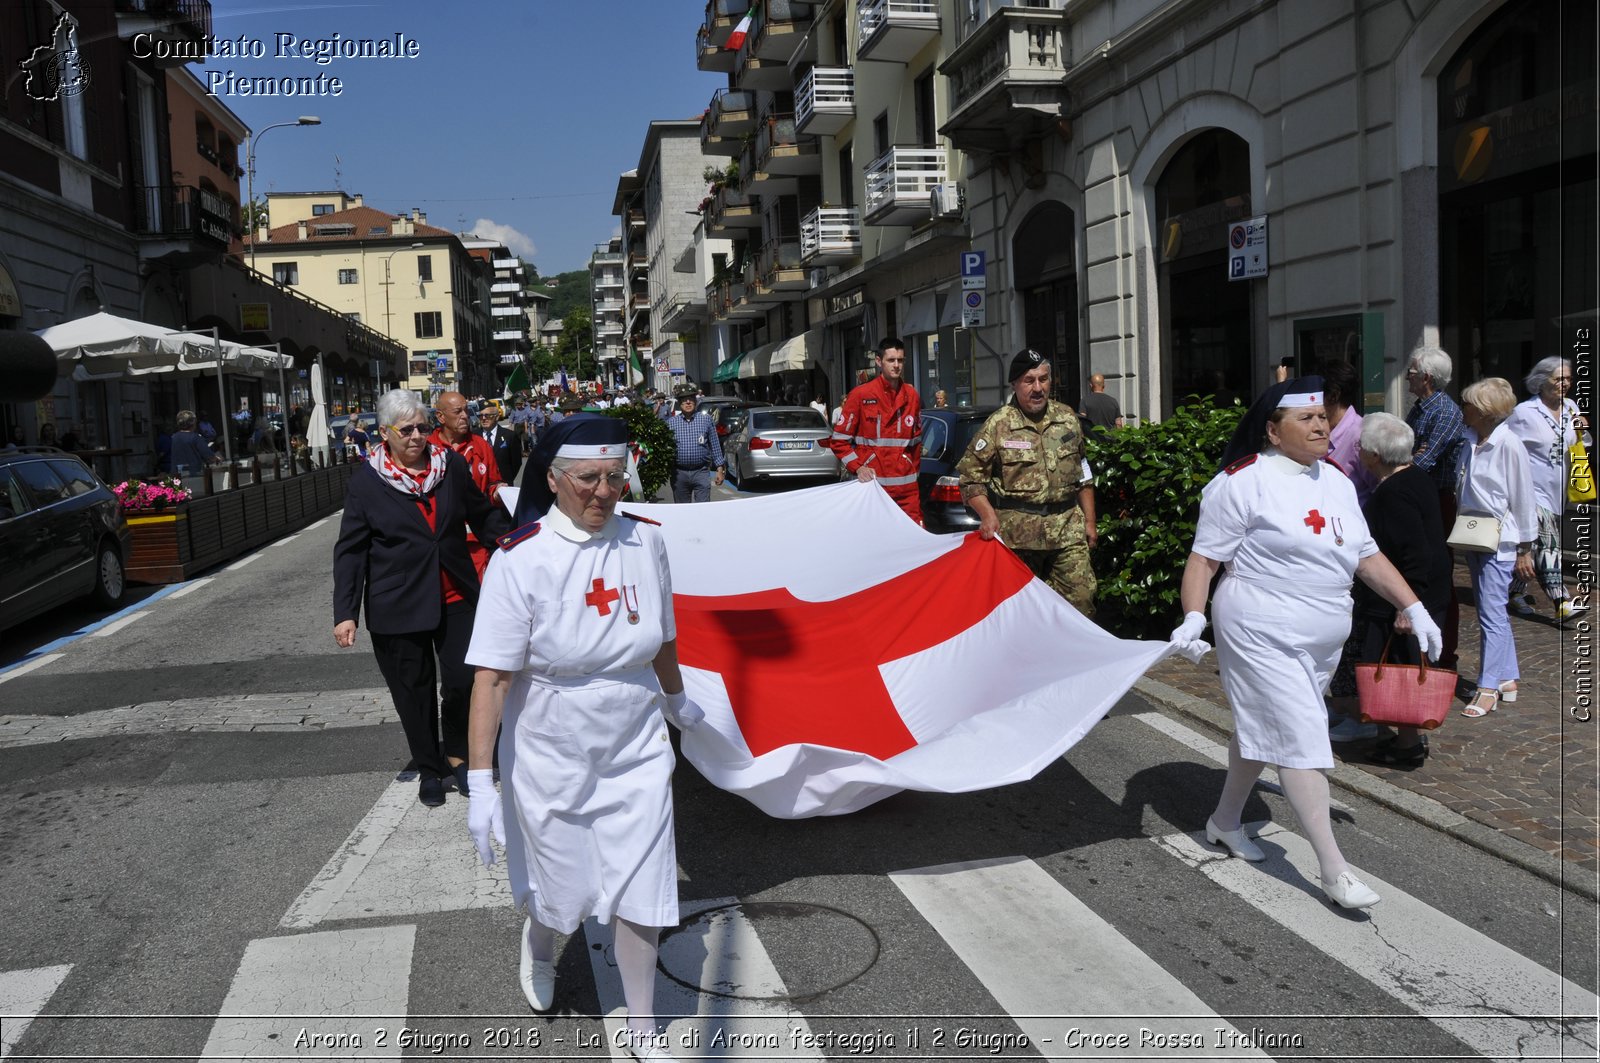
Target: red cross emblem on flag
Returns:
[[1315, 522]]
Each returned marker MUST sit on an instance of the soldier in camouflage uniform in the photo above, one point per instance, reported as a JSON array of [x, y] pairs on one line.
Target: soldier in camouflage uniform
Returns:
[[1025, 477]]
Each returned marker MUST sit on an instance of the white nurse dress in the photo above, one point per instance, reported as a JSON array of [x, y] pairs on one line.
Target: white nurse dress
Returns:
[[1290, 537]]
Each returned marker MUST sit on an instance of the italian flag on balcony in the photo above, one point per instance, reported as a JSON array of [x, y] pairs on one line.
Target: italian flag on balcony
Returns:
[[741, 31]]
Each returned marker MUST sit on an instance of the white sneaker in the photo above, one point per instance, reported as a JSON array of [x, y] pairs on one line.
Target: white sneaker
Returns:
[[1351, 729], [537, 977], [1566, 610]]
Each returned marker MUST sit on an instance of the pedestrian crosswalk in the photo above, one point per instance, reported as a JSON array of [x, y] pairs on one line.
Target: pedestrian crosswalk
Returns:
[[1044, 964]]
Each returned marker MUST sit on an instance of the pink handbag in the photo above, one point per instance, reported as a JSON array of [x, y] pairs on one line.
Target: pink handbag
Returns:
[[1406, 695]]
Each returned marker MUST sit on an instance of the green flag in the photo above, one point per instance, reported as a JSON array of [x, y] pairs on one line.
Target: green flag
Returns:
[[633, 359], [517, 381]]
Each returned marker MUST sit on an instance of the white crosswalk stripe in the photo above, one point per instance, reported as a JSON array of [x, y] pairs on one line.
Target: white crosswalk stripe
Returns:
[[321, 995], [1468, 984], [1033, 945], [727, 952], [23, 995]]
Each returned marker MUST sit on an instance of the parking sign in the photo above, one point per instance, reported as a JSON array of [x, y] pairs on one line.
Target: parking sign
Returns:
[[1247, 249], [974, 271]]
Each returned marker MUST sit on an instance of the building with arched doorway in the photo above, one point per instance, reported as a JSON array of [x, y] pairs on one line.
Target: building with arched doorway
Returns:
[[1422, 173]]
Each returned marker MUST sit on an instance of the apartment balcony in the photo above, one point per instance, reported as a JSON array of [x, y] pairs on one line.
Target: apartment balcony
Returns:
[[608, 306], [164, 22], [756, 74], [181, 224], [505, 287], [681, 309], [508, 311], [830, 235], [896, 30], [731, 115], [636, 219], [605, 258], [731, 209], [742, 303], [825, 100], [608, 281], [637, 263], [780, 276], [782, 150], [1005, 79], [779, 26], [721, 17], [507, 263], [765, 183], [899, 183], [711, 56], [609, 328]]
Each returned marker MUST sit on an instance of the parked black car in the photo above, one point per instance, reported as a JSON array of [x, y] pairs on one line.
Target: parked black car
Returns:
[[945, 435], [728, 413], [62, 535]]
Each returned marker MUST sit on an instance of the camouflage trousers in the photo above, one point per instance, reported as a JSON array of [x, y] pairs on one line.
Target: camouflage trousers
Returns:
[[1067, 572]]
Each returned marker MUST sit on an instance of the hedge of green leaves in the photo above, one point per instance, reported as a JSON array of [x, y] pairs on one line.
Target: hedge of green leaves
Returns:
[[655, 438], [1148, 479]]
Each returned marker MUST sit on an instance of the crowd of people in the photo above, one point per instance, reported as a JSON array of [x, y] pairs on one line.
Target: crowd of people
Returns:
[[560, 686]]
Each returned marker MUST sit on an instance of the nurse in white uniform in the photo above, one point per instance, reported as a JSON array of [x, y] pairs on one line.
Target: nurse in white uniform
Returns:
[[575, 649], [1289, 530]]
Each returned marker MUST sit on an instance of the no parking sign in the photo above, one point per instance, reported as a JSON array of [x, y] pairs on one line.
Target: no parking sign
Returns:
[[1247, 249]]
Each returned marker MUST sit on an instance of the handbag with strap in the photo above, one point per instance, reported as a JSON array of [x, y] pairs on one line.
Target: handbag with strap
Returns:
[[1476, 533], [1580, 476], [1404, 695]]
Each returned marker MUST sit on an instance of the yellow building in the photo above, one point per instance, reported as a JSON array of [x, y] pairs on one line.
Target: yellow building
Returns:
[[412, 281]]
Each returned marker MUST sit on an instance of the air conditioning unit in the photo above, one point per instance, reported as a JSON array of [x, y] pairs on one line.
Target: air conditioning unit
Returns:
[[945, 200], [818, 277]]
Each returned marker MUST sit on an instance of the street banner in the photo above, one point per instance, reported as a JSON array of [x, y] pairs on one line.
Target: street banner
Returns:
[[843, 654]]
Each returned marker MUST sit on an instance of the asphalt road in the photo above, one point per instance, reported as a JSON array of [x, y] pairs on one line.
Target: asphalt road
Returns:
[[230, 869]]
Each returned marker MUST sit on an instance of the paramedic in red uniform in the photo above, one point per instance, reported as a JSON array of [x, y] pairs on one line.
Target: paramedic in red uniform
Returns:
[[878, 432], [455, 432]]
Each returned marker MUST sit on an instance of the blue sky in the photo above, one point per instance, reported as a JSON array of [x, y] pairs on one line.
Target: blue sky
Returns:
[[516, 113]]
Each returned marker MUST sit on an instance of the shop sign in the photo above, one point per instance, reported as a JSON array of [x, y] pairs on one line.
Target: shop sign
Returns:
[[255, 317], [842, 304], [1247, 249]]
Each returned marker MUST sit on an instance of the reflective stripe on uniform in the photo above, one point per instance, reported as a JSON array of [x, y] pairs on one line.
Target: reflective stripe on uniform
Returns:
[[897, 481], [862, 441], [847, 459]]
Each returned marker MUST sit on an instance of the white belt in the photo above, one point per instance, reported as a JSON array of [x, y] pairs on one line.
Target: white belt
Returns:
[[635, 676], [1302, 587]]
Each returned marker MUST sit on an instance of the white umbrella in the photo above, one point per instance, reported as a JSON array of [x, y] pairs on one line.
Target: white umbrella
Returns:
[[317, 430], [107, 345]]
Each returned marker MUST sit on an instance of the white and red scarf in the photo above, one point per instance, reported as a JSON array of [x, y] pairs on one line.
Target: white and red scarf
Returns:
[[401, 479]]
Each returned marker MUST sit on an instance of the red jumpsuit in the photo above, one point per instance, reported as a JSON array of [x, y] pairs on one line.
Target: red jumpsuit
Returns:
[[479, 456], [883, 430]]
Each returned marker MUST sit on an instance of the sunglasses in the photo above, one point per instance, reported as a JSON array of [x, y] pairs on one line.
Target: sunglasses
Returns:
[[408, 429]]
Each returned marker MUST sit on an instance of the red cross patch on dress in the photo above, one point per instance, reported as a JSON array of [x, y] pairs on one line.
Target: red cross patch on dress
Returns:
[[1315, 522], [601, 597]]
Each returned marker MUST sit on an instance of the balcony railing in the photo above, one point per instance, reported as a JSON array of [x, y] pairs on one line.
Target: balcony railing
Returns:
[[779, 25], [185, 212], [779, 273], [896, 30], [731, 208], [899, 182], [731, 115], [710, 55], [825, 100], [831, 234], [606, 258], [1005, 79], [721, 17], [779, 149]]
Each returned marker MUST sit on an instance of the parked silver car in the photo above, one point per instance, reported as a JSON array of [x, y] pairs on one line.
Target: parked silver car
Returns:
[[780, 442]]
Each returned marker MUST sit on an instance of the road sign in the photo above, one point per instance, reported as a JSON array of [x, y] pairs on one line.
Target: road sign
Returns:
[[973, 312], [1247, 249], [974, 271]]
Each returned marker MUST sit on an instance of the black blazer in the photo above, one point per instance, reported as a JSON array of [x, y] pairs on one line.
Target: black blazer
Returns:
[[508, 452], [388, 558]]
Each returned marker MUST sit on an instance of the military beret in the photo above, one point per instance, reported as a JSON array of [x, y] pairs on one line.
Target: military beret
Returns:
[[1025, 362]]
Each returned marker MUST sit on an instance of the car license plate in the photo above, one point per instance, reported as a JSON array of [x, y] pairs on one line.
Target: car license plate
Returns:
[[795, 444]]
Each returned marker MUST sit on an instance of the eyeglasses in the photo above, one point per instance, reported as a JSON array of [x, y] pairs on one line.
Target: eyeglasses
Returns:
[[408, 429], [590, 481]]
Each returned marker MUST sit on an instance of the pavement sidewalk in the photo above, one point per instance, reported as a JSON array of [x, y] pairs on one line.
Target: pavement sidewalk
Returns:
[[1520, 782]]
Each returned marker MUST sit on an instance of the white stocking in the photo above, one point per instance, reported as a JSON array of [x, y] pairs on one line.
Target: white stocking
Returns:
[[541, 940], [1307, 791], [636, 965], [1242, 775]]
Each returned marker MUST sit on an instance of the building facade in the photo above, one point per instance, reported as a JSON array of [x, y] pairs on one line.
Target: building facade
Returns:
[[510, 338], [413, 282]]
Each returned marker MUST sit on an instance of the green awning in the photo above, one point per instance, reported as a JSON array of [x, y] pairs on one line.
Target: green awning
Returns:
[[728, 370]]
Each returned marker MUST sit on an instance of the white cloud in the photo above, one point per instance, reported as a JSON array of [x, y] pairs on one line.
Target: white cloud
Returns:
[[520, 243]]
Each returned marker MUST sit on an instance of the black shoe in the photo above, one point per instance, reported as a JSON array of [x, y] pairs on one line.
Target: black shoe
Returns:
[[1398, 756], [431, 792], [460, 771]]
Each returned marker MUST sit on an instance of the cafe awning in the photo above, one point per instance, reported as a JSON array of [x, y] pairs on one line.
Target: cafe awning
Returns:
[[728, 370], [798, 352], [757, 362]]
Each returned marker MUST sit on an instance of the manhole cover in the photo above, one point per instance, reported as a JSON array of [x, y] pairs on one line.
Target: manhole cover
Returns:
[[737, 950]]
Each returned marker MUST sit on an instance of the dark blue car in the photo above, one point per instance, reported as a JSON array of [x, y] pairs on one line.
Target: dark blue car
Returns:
[[945, 435]]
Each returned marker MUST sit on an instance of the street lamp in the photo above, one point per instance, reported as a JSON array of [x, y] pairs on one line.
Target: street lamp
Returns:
[[250, 174], [388, 330]]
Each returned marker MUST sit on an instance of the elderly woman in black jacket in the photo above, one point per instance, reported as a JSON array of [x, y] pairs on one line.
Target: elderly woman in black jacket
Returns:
[[402, 551]]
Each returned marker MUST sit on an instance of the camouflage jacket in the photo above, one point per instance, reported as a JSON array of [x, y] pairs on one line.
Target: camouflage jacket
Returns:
[[1037, 463]]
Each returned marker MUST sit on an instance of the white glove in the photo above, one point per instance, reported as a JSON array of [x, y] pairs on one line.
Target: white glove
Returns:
[[484, 814], [680, 711], [1428, 634], [1193, 649], [1193, 624]]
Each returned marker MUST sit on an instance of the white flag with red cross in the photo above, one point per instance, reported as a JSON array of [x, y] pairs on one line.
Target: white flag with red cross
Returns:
[[842, 654]]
